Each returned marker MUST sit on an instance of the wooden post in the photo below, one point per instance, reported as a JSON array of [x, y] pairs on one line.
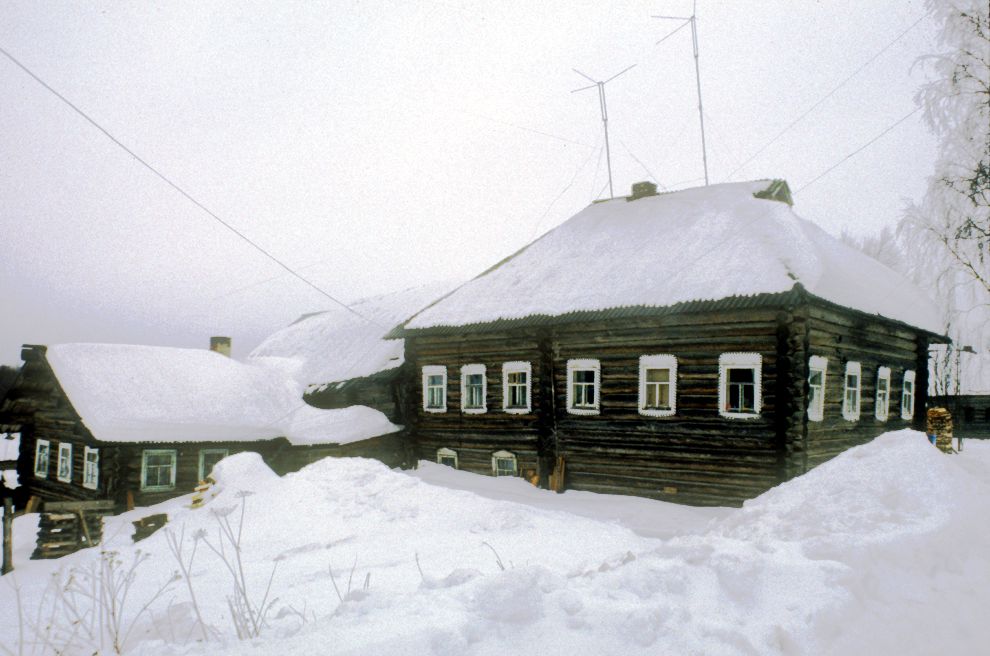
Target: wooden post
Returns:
[[8, 538], [940, 425]]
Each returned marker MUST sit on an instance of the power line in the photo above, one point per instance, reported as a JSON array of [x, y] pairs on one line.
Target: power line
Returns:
[[861, 148], [823, 99], [179, 189]]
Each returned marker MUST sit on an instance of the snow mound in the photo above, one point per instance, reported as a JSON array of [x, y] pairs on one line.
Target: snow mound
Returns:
[[242, 471], [699, 244]]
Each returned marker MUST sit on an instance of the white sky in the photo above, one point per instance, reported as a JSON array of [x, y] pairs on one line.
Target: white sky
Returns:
[[375, 145]]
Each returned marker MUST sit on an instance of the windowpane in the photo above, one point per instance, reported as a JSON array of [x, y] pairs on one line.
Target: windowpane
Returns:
[[657, 389], [450, 461], [658, 375], [742, 375], [741, 395], [474, 391], [505, 466]]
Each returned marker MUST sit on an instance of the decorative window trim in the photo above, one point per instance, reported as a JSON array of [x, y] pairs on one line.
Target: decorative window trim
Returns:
[[91, 468], [817, 363], [473, 370], [144, 468], [434, 370], [444, 452], [882, 410], [728, 361], [514, 368], [584, 364], [660, 361], [907, 409], [64, 451], [848, 413], [202, 461], [42, 463], [505, 455]]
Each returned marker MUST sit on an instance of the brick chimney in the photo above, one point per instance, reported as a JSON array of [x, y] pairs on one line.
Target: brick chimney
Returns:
[[220, 345], [642, 190]]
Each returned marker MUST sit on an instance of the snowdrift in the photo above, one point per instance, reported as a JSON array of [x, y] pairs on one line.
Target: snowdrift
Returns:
[[879, 551]]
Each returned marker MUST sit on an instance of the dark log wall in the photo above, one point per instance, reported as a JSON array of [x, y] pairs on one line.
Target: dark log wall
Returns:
[[843, 336], [970, 413], [695, 457], [377, 391], [476, 437]]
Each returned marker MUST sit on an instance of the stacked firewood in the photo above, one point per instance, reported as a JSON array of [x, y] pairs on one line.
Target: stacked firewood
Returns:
[[940, 425]]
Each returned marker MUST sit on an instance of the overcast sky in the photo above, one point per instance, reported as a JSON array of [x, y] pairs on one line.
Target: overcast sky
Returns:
[[375, 145]]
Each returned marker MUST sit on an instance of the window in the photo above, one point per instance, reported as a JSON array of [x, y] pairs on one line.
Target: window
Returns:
[[907, 395], [474, 389], [91, 468], [41, 451], [447, 457], [208, 458], [882, 408], [435, 388], [850, 397], [739, 385], [516, 385], [817, 366], [157, 470], [64, 471], [504, 464], [657, 385], [583, 381]]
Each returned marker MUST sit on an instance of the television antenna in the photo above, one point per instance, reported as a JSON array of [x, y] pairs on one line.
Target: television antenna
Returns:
[[692, 20], [600, 84]]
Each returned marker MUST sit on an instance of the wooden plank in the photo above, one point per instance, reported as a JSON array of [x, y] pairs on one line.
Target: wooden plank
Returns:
[[76, 506]]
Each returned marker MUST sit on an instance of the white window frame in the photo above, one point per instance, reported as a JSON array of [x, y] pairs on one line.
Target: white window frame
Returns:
[[444, 452], [516, 368], [659, 361], [434, 370], [852, 414], [41, 464], [727, 361], [817, 363], [474, 370], [584, 364], [91, 468], [64, 454], [881, 408], [202, 461], [907, 409], [505, 455], [144, 468]]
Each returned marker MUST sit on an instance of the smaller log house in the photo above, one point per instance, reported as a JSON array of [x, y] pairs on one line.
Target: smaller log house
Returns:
[[141, 424], [698, 346]]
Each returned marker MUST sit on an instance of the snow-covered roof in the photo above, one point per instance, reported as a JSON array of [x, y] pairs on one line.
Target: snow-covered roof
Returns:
[[701, 244], [336, 345], [128, 393]]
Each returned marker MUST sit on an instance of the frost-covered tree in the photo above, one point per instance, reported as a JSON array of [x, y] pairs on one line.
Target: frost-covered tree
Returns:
[[955, 212]]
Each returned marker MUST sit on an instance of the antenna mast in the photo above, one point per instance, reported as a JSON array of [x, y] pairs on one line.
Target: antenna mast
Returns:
[[693, 20], [600, 84]]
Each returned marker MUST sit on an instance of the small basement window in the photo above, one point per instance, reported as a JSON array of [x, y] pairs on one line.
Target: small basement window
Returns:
[[504, 464], [42, 449], [740, 382], [657, 385], [474, 389], [435, 388], [208, 458], [91, 468], [447, 457], [158, 470], [850, 395], [882, 409], [583, 383], [516, 386], [64, 471], [817, 367], [907, 395]]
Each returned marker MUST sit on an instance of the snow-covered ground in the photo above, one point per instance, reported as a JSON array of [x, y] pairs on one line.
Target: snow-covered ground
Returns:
[[883, 550]]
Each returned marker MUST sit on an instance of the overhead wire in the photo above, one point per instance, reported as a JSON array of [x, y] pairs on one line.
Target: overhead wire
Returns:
[[180, 190], [824, 98]]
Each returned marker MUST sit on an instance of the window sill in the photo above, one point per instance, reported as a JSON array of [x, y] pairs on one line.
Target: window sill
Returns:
[[650, 412], [739, 415], [474, 411], [517, 411], [435, 410], [583, 411]]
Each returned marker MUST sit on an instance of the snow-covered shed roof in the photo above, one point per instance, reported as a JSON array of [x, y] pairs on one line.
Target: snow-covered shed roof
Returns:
[[128, 393], [337, 344], [704, 244]]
